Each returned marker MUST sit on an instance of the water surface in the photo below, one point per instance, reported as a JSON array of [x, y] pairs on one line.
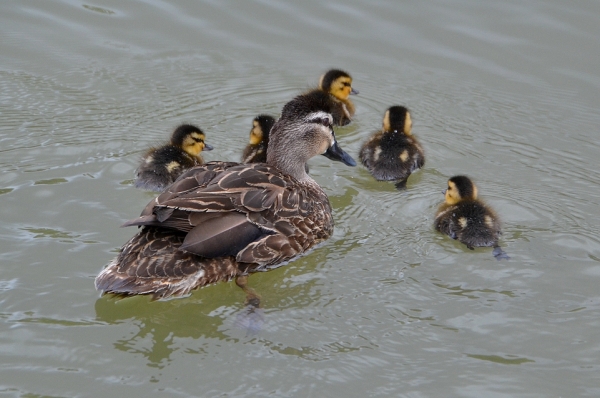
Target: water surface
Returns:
[[504, 92]]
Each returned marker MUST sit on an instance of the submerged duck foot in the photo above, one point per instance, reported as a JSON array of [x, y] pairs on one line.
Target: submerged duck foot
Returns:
[[252, 317], [500, 254]]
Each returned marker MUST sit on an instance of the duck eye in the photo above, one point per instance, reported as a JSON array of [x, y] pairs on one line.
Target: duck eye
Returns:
[[325, 122]]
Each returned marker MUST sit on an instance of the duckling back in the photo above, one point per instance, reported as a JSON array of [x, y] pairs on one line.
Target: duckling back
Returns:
[[464, 217], [160, 167], [470, 222], [393, 153]]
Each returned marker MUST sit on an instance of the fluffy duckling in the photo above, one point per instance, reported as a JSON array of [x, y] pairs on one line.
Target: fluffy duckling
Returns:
[[224, 220], [393, 153], [161, 166], [338, 84], [464, 217], [256, 150]]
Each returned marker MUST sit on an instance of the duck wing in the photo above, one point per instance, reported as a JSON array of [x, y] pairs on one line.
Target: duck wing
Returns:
[[250, 211]]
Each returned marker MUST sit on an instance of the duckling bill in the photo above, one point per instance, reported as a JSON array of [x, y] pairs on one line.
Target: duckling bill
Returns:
[[224, 220], [464, 217], [393, 153], [161, 166]]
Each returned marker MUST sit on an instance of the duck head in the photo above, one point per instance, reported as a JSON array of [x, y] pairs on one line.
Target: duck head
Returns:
[[303, 131]]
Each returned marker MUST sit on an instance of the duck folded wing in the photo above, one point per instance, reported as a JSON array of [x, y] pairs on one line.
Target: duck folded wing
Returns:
[[220, 236], [245, 211]]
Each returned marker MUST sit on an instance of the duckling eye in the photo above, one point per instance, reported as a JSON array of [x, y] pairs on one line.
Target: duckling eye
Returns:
[[325, 122]]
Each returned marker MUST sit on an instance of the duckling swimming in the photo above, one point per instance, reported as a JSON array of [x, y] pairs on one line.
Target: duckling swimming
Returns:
[[393, 153], [338, 84], [256, 150], [161, 166], [462, 216], [224, 220]]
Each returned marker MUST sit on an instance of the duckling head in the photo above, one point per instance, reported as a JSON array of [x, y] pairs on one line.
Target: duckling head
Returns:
[[304, 130], [337, 83], [190, 139], [460, 188], [261, 126], [397, 118]]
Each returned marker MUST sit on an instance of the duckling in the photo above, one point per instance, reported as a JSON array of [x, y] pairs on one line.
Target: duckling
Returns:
[[224, 220], [256, 150], [338, 84], [393, 153], [464, 217], [161, 166]]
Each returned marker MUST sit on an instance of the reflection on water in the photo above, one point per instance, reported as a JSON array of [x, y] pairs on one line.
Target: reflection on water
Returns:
[[506, 93]]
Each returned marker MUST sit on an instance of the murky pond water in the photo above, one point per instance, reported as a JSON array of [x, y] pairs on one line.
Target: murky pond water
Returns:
[[506, 92]]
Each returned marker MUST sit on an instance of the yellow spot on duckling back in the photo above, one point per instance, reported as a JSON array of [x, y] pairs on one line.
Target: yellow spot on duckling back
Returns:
[[463, 222], [404, 156], [376, 153], [489, 221], [172, 166], [149, 159]]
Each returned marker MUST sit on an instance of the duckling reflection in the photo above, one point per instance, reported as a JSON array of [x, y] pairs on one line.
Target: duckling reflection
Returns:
[[464, 217], [161, 166], [393, 153]]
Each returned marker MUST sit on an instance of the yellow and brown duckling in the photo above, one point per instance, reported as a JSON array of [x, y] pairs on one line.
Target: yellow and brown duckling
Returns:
[[393, 153], [224, 220], [464, 217], [256, 150], [338, 84], [161, 166]]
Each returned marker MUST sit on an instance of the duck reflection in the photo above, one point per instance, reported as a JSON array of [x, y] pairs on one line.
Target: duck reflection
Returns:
[[213, 313]]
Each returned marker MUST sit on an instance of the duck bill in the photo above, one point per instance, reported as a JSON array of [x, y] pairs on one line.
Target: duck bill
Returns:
[[354, 92], [336, 153], [207, 147]]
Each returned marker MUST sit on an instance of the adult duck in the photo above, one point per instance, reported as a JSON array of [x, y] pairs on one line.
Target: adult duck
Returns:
[[224, 220]]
